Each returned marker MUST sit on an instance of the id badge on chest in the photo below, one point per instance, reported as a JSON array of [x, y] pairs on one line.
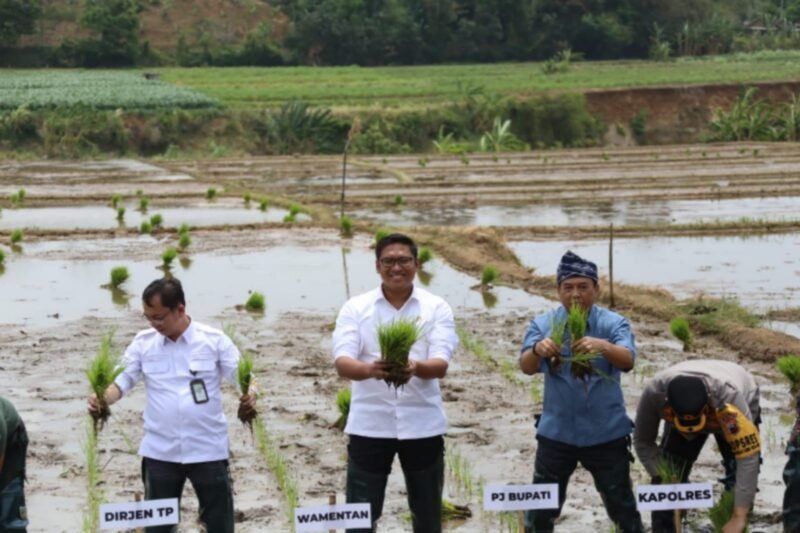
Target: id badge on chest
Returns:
[[199, 392]]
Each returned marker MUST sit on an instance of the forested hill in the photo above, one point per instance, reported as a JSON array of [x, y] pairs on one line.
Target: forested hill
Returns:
[[383, 32]]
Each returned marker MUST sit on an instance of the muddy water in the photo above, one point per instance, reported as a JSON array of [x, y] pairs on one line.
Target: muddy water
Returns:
[[43, 291], [762, 272], [100, 217], [620, 213]]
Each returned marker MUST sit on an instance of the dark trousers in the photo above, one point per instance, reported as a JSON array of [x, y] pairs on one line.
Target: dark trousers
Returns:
[[13, 512], [609, 464], [211, 482], [683, 453], [791, 498], [369, 464]]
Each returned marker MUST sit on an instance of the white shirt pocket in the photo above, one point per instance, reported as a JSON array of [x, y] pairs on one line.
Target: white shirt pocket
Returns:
[[155, 366], [202, 362]]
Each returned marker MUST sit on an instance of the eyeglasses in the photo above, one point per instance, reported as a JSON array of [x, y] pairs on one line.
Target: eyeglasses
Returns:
[[389, 262], [159, 319]]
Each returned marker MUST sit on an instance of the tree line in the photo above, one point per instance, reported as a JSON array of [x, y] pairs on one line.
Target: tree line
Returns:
[[387, 32]]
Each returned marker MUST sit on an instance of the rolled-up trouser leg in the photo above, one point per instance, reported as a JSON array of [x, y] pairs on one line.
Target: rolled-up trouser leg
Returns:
[[366, 487], [425, 496], [791, 498], [555, 462]]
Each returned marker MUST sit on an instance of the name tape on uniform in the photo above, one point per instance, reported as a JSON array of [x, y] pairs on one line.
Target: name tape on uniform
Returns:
[[520, 497], [678, 496], [325, 517], [139, 514]]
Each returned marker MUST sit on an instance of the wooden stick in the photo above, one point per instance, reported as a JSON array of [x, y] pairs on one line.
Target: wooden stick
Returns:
[[521, 521], [676, 519], [138, 498], [332, 501], [611, 303]]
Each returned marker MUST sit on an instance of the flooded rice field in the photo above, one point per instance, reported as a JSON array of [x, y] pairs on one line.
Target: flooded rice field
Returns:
[[53, 309]]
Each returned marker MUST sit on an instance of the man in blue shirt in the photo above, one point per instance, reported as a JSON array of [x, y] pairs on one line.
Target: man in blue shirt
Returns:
[[583, 418]]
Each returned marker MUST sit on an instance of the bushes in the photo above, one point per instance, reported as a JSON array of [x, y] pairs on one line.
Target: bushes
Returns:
[[560, 120]]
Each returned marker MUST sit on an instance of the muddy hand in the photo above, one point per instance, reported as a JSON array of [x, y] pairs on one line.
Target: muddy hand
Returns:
[[247, 407], [381, 370], [94, 407], [589, 345], [405, 373], [547, 348]]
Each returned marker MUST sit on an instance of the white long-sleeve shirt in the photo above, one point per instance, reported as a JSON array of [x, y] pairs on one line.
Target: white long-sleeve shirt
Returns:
[[176, 429], [415, 410]]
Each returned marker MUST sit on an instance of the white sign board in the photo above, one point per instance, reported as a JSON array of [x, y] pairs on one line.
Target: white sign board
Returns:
[[678, 496], [139, 514], [520, 497], [325, 517]]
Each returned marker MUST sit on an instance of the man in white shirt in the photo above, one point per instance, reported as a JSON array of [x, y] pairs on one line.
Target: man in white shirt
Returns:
[[408, 421], [185, 430]]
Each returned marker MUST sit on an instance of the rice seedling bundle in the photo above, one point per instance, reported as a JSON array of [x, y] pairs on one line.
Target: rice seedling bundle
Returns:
[[21, 195], [679, 327], [139, 192], [115, 200], [343, 398], [14, 198], [184, 240], [263, 204], [119, 275], [156, 220], [577, 318], [451, 511], [721, 512], [168, 256], [669, 473], [789, 366], [557, 329], [255, 302], [294, 210], [145, 227], [247, 197], [381, 234], [425, 255], [184, 228], [489, 275], [2, 257], [346, 225], [288, 219], [143, 203], [399, 200], [244, 376], [120, 213], [103, 369], [16, 236], [211, 193], [396, 339]]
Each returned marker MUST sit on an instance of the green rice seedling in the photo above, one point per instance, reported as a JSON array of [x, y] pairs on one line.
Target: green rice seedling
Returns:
[[115, 200], [102, 370], [17, 236], [168, 256], [94, 493], [211, 193], [120, 214], [346, 226], [289, 219], [119, 275], [295, 209], [399, 200], [145, 227], [244, 376], [721, 512], [489, 275], [263, 203], [395, 339], [2, 257], [381, 234], [143, 203], [184, 228], [14, 199], [156, 220], [343, 405], [580, 367], [557, 329], [139, 192], [680, 330], [670, 474], [247, 197], [21, 195], [789, 366], [184, 240], [425, 255], [255, 302], [451, 511], [270, 451]]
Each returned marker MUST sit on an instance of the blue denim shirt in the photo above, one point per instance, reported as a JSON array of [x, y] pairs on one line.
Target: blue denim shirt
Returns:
[[583, 412]]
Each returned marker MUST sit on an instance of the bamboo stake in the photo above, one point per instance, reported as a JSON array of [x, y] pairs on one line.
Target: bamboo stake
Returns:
[[676, 519], [138, 498], [611, 304], [520, 521], [332, 501]]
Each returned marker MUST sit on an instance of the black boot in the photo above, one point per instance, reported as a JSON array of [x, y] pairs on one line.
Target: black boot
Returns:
[[425, 497], [366, 487]]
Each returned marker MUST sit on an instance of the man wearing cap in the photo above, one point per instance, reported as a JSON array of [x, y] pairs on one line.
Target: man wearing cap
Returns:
[[791, 476], [696, 398], [583, 418]]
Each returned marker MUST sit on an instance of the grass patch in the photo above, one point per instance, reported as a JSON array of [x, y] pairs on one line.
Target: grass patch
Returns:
[[101, 372], [789, 366], [16, 236], [343, 398], [396, 339], [270, 451], [255, 302], [717, 315], [451, 511], [119, 275], [679, 327]]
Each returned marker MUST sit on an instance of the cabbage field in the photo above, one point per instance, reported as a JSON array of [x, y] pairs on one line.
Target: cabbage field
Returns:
[[94, 89]]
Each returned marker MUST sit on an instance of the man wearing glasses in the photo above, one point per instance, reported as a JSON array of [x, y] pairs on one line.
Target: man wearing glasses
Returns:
[[408, 421], [185, 431]]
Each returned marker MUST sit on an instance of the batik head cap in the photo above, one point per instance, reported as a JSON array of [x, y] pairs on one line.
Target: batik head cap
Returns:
[[687, 397], [572, 265]]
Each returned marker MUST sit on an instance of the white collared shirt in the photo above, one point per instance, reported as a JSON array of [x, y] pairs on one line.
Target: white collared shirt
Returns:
[[176, 429], [413, 411]]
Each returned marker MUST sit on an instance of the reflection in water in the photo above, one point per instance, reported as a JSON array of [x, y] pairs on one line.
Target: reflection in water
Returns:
[[16, 248], [120, 297], [424, 277], [185, 262], [489, 299], [346, 251]]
